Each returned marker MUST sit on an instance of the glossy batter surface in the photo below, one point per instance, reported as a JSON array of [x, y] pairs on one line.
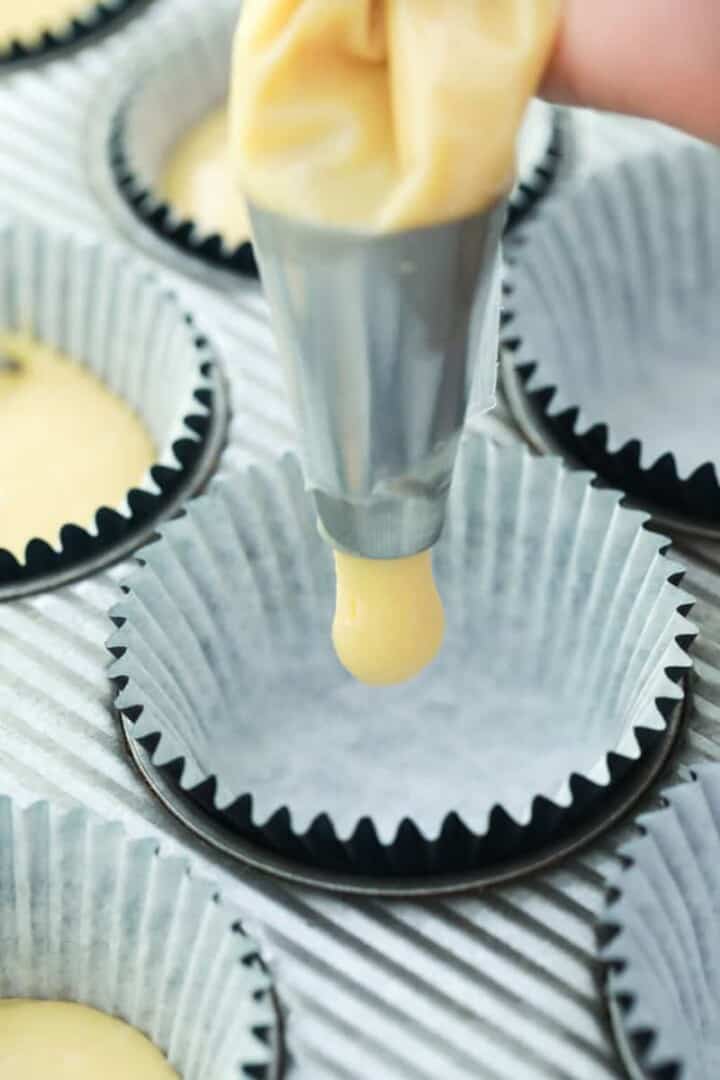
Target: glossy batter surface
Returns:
[[48, 1040], [27, 20], [389, 620], [384, 113], [68, 445], [198, 183]]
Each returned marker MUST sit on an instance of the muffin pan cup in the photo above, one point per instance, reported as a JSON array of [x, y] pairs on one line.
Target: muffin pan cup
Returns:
[[89, 915], [658, 937], [564, 652], [98, 18], [99, 306], [171, 86], [611, 329]]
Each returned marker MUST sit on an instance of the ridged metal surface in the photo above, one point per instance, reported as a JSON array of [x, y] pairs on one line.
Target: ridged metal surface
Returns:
[[501, 985]]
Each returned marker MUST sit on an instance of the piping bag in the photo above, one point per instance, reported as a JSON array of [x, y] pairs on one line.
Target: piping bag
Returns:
[[375, 143]]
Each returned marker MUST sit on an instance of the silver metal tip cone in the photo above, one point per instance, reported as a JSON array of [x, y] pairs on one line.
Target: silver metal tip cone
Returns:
[[379, 334]]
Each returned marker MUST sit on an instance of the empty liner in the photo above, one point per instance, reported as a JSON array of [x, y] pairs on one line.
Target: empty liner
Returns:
[[564, 649], [94, 19], [184, 76], [181, 78], [100, 307], [659, 937], [613, 313], [91, 916]]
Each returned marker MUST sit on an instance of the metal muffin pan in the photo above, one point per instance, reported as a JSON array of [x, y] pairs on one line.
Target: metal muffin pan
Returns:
[[498, 986]]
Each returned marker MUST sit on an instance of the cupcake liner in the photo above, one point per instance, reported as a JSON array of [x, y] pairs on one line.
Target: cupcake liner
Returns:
[[564, 650], [540, 152], [100, 307], [658, 937], [97, 18], [182, 78], [91, 916], [613, 322]]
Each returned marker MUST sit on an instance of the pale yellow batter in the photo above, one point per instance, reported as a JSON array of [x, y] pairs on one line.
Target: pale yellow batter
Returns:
[[197, 181], [68, 446], [384, 115], [27, 20], [389, 620], [50, 1040]]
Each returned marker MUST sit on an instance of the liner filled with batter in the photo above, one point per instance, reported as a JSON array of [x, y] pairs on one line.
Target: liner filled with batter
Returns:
[[107, 410], [91, 917]]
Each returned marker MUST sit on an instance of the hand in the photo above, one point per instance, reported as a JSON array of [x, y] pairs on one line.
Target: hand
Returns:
[[653, 58]]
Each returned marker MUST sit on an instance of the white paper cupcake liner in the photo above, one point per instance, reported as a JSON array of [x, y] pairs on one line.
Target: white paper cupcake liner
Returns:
[[564, 647], [179, 78], [97, 18], [91, 916], [613, 313], [659, 938], [100, 307], [540, 152]]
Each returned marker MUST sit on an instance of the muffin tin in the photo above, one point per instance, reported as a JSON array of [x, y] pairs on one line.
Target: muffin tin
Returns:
[[472, 985]]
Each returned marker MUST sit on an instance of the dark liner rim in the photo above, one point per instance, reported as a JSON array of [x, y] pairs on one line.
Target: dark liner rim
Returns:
[[640, 1038], [99, 17], [77, 543], [499, 820], [622, 467], [533, 189], [546, 853], [158, 214], [453, 830]]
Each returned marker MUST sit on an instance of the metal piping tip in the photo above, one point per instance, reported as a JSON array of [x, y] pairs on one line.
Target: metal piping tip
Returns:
[[379, 334]]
